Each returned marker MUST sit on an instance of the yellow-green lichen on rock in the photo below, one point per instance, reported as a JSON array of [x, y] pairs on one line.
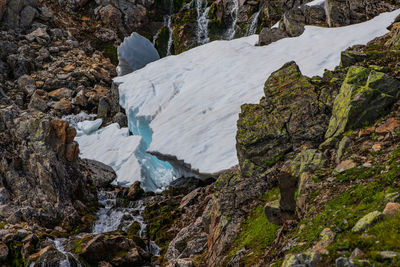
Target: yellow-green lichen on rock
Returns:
[[302, 259], [289, 116], [306, 161], [367, 221], [364, 96]]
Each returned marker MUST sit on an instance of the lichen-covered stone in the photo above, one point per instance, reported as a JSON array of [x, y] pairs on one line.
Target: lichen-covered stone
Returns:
[[363, 97], [290, 115], [306, 161], [310, 259], [367, 221]]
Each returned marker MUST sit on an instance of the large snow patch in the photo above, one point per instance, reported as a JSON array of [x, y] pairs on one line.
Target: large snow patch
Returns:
[[193, 99]]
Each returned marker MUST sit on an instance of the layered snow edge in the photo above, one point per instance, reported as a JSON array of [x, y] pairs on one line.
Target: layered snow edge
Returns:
[[194, 98], [183, 109]]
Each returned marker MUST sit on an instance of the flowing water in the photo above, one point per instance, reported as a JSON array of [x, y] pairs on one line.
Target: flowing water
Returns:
[[109, 218], [234, 15], [167, 23], [169, 34], [254, 23], [202, 22]]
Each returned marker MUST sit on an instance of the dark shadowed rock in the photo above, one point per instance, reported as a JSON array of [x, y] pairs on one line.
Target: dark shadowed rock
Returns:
[[268, 36], [101, 175]]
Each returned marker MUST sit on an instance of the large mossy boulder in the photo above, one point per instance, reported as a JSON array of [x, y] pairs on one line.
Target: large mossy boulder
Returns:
[[289, 116], [365, 96]]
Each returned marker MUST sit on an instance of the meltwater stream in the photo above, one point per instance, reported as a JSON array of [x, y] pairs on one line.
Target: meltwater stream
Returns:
[[109, 218]]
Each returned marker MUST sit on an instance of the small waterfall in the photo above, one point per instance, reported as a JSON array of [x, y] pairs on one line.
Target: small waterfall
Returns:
[[70, 260], [202, 22], [234, 15], [170, 35], [111, 218], [254, 22], [167, 23]]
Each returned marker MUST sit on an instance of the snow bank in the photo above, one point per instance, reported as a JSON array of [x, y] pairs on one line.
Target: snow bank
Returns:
[[134, 53], [193, 99], [126, 154], [113, 146]]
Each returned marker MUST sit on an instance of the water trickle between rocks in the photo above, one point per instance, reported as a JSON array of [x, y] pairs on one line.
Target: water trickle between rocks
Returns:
[[202, 22], [254, 23], [110, 217], [234, 15]]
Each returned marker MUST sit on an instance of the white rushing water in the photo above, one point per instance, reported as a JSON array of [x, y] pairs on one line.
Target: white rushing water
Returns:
[[170, 40], [234, 15], [111, 217], [252, 28], [202, 22], [167, 23]]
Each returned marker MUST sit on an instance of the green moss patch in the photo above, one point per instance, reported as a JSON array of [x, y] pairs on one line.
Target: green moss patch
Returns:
[[257, 232]]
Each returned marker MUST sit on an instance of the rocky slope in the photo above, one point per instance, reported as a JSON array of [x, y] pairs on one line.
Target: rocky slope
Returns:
[[318, 177], [317, 182]]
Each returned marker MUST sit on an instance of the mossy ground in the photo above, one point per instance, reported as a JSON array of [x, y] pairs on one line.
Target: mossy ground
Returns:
[[256, 232], [363, 190]]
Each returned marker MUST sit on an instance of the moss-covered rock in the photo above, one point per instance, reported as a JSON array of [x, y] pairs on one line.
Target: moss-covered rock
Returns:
[[367, 221], [289, 116], [161, 43], [364, 96], [302, 259], [306, 161], [184, 32]]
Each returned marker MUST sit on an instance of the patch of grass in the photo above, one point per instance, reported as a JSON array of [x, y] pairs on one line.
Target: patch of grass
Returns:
[[257, 232], [385, 235], [357, 173], [271, 195], [341, 213]]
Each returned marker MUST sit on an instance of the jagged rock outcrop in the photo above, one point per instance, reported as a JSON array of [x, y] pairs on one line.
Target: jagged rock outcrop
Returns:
[[363, 97], [40, 178], [289, 116], [346, 12]]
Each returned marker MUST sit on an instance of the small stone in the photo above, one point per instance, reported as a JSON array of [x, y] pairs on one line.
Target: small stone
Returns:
[[104, 264], [363, 132], [343, 145], [3, 252], [356, 254], [345, 165], [273, 213], [38, 34], [387, 255], [392, 197], [64, 106], [389, 126], [135, 191], [61, 93], [376, 147], [391, 209], [367, 221], [302, 259], [344, 262], [69, 67], [367, 164], [327, 236]]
